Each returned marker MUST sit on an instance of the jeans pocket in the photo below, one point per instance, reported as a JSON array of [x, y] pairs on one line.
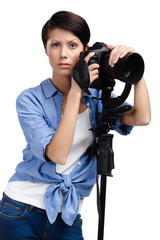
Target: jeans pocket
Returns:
[[12, 209]]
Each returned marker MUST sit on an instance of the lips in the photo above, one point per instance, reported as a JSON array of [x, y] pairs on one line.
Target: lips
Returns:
[[64, 65]]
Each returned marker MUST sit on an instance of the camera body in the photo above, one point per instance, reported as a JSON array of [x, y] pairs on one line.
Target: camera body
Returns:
[[100, 49], [128, 69]]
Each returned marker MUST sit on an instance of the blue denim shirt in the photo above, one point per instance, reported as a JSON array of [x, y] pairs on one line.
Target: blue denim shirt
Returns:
[[39, 113]]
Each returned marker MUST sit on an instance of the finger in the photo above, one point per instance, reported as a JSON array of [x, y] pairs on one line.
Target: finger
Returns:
[[114, 53], [110, 46], [94, 75], [93, 66], [94, 78], [119, 52], [122, 53], [89, 56], [115, 57], [94, 72], [130, 49]]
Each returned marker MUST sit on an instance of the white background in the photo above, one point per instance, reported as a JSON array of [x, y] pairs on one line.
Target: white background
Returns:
[[133, 199]]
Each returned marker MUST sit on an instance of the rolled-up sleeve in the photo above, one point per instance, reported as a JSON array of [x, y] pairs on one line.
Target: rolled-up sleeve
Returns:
[[34, 124], [121, 128]]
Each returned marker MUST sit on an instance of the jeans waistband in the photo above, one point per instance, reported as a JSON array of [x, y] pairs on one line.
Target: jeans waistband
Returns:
[[28, 206]]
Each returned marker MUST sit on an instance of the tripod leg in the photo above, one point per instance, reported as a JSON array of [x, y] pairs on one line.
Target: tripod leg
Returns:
[[105, 164], [102, 211]]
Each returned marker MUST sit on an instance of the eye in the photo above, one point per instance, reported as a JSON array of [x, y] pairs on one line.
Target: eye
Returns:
[[73, 45], [55, 45]]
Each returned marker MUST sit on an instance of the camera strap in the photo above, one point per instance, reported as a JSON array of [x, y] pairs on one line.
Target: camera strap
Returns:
[[80, 74]]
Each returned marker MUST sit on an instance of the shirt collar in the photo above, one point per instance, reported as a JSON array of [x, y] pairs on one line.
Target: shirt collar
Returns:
[[48, 88]]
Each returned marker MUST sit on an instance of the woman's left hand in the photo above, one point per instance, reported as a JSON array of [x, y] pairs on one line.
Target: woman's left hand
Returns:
[[118, 51]]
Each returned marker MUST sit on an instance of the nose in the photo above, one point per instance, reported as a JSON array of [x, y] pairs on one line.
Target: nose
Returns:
[[63, 52]]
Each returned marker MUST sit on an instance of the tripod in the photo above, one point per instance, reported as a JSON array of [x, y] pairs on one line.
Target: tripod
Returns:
[[129, 70], [103, 147]]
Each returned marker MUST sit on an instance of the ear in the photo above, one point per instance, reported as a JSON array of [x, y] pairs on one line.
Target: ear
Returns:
[[46, 52], [87, 47]]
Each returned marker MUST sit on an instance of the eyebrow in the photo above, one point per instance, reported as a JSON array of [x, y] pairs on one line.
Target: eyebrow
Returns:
[[54, 40]]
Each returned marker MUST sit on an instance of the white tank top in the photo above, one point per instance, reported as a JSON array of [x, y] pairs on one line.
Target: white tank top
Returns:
[[33, 193]]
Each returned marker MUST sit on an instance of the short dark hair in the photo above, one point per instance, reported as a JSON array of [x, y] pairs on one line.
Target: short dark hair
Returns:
[[68, 21]]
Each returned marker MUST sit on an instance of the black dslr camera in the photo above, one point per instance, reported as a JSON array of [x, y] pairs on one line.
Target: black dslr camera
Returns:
[[128, 69]]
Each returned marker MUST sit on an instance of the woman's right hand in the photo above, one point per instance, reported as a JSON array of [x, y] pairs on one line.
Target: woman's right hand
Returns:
[[93, 68], [93, 73]]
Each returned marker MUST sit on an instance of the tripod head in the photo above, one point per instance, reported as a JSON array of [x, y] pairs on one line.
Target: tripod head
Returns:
[[112, 109]]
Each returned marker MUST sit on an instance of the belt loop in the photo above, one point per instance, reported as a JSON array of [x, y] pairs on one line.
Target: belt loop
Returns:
[[30, 208]]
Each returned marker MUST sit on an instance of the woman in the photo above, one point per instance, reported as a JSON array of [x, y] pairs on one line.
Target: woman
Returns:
[[43, 198]]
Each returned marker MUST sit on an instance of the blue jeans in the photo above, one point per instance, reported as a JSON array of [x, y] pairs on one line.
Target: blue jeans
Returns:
[[20, 221]]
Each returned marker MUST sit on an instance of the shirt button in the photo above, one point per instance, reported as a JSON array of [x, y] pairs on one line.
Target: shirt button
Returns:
[[88, 104], [79, 163], [92, 122]]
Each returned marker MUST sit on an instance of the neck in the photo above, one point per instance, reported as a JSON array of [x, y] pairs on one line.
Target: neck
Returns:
[[63, 83]]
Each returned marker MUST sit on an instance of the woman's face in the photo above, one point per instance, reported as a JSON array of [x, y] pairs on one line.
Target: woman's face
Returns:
[[63, 49]]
